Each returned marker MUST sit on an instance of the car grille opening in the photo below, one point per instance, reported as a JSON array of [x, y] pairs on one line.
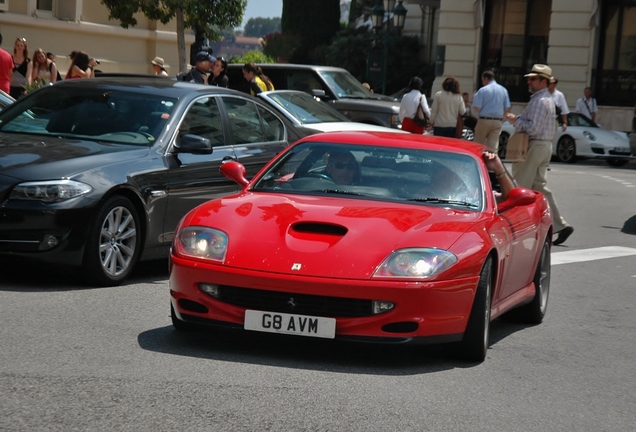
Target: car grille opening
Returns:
[[400, 327], [303, 304], [192, 306]]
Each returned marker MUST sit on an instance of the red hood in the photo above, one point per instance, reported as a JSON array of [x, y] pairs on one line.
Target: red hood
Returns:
[[326, 237]]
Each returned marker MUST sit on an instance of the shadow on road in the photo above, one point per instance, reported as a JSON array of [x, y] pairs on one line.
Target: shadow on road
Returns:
[[311, 353]]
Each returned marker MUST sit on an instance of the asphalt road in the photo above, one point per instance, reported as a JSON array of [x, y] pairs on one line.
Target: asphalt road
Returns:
[[74, 358]]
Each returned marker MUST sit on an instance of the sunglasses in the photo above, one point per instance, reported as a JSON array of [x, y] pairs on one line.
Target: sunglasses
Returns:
[[344, 165], [21, 39]]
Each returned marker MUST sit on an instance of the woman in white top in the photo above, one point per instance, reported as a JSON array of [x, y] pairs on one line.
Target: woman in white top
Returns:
[[411, 101], [44, 69], [448, 106]]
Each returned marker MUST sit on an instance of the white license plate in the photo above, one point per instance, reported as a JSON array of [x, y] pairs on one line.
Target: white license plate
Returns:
[[301, 325]]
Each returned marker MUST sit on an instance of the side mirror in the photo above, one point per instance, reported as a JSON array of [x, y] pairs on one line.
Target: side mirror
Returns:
[[318, 93], [234, 171], [194, 144], [518, 197]]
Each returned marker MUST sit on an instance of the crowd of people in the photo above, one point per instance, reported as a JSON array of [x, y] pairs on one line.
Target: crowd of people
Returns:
[[490, 108], [20, 72]]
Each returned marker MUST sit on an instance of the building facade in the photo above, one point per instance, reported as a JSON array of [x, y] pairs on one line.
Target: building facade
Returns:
[[62, 26], [587, 43]]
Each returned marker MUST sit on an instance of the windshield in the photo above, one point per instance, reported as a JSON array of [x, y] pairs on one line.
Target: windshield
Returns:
[[306, 109], [345, 86], [576, 119], [421, 177], [90, 113]]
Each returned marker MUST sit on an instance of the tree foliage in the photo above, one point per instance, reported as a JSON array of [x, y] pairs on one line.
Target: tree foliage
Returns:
[[316, 21], [258, 27], [205, 15]]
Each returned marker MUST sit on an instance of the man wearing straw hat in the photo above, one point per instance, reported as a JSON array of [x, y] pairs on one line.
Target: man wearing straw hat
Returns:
[[159, 66], [537, 121]]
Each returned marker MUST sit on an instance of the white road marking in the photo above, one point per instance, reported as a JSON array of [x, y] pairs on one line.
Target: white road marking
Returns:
[[623, 182], [592, 254]]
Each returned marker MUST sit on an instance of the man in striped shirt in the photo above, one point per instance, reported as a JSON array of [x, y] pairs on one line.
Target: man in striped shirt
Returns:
[[537, 121]]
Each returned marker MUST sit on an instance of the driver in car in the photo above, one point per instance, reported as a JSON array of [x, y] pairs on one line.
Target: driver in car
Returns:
[[343, 168]]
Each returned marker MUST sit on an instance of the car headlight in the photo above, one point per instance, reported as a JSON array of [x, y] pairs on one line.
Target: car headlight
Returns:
[[415, 263], [201, 242], [589, 135], [49, 191]]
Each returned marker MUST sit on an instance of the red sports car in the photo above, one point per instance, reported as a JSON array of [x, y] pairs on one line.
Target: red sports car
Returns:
[[365, 235]]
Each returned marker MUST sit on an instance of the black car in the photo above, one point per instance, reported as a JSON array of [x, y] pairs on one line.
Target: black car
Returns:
[[97, 173]]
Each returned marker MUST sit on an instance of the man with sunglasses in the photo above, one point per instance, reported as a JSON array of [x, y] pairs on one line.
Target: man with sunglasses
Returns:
[[537, 121], [342, 167]]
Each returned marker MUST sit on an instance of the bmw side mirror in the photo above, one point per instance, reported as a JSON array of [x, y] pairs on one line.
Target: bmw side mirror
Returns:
[[194, 144]]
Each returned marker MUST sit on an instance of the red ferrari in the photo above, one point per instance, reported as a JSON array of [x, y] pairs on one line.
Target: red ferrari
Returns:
[[366, 235]]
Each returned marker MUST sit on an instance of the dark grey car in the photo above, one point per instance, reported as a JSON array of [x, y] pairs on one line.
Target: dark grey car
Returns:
[[97, 173]]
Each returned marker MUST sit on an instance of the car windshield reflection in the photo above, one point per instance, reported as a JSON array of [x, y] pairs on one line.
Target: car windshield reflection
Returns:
[[111, 116], [305, 108], [393, 174]]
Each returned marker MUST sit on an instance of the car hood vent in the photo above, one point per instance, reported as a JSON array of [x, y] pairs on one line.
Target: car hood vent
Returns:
[[319, 228]]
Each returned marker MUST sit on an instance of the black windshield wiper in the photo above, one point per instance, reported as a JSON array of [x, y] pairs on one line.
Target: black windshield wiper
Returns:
[[443, 201], [338, 191]]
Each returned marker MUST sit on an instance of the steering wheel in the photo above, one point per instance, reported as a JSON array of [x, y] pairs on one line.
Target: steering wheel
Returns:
[[319, 175]]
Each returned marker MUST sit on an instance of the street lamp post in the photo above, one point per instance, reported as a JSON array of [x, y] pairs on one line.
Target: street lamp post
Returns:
[[381, 15]]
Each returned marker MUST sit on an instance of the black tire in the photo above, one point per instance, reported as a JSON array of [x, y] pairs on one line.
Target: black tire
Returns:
[[534, 312], [179, 325], [474, 344], [566, 150], [503, 143], [615, 162], [113, 244]]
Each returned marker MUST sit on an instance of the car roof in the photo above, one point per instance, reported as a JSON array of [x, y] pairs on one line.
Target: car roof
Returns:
[[390, 139]]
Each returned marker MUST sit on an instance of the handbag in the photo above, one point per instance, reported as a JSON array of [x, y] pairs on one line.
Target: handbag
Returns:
[[517, 148], [459, 128], [420, 116]]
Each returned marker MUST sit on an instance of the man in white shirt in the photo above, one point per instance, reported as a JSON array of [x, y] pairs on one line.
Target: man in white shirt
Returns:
[[560, 102], [587, 104]]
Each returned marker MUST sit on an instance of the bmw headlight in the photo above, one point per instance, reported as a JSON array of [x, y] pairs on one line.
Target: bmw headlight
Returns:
[[415, 263], [201, 242], [49, 191], [589, 135]]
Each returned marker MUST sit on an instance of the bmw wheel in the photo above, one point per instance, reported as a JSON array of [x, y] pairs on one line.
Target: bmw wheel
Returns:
[[113, 244], [474, 344], [566, 150]]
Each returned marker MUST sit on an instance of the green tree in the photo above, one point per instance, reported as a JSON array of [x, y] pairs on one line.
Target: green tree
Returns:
[[258, 27], [206, 15], [316, 21]]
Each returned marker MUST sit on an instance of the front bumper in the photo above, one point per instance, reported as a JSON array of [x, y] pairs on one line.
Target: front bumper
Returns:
[[434, 311]]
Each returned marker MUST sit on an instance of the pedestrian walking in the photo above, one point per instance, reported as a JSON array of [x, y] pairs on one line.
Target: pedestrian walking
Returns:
[[411, 102], [447, 109], [492, 103], [537, 121], [587, 104], [560, 103]]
